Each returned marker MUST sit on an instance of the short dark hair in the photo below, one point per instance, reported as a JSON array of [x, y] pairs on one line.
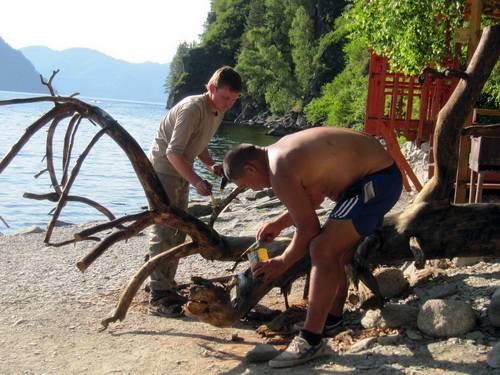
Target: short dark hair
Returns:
[[227, 76], [237, 157]]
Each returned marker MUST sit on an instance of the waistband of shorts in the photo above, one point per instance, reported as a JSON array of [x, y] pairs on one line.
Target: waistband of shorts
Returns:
[[388, 170]]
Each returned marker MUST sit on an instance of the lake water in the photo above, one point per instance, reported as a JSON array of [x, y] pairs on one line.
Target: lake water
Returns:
[[106, 175]]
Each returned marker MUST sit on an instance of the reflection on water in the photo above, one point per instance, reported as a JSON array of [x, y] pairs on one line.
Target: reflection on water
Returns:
[[106, 175]]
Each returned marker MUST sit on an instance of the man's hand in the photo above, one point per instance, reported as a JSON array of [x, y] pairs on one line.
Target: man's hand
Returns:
[[269, 270], [203, 187], [216, 169], [268, 232]]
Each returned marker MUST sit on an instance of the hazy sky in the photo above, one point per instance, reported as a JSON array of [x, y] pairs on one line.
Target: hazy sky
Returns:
[[132, 30]]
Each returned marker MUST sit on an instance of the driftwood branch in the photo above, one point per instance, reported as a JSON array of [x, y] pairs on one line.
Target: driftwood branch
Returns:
[[3, 221], [66, 110], [217, 210], [134, 229], [54, 197], [69, 140], [67, 187], [68, 242], [110, 224], [49, 82], [120, 311], [40, 173], [49, 154]]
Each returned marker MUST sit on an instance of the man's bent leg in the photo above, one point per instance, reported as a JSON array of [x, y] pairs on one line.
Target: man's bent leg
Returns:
[[162, 238], [329, 250], [340, 295], [327, 272]]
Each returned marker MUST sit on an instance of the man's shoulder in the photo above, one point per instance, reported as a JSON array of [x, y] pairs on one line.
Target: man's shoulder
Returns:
[[192, 100], [282, 157], [189, 107]]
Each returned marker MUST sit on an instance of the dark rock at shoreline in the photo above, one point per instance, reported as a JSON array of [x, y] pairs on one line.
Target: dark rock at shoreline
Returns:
[[281, 131], [290, 123], [279, 126]]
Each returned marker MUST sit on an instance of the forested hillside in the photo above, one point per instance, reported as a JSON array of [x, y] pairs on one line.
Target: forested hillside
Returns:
[[312, 56]]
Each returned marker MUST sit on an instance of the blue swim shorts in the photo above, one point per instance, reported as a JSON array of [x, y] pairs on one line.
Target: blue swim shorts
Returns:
[[369, 199]]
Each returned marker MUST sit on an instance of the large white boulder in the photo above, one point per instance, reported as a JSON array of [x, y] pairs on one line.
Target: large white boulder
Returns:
[[445, 318]]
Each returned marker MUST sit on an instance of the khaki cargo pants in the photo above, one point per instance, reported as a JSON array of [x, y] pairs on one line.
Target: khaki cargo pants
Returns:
[[164, 237]]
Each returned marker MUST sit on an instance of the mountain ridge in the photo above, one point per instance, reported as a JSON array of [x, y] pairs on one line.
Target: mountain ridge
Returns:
[[95, 74], [17, 73]]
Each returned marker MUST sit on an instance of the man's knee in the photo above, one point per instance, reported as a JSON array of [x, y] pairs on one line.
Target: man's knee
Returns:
[[322, 252], [326, 252]]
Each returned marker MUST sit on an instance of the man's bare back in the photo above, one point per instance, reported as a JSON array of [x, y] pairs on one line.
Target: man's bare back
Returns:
[[326, 161]]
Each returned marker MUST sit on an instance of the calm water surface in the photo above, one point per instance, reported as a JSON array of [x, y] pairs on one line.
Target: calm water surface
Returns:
[[106, 175]]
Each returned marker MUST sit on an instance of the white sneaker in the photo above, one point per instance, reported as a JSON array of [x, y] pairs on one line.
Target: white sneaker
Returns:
[[299, 351]]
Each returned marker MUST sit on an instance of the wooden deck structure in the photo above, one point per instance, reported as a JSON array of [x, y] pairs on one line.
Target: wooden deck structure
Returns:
[[408, 105]]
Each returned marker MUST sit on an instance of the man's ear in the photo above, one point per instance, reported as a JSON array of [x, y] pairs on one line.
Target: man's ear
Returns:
[[211, 88], [249, 168]]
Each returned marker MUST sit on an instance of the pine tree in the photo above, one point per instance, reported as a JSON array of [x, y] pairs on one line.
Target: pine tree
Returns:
[[303, 48]]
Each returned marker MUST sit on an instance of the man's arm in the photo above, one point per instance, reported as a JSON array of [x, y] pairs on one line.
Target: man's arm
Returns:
[[302, 213], [182, 132], [187, 172], [270, 230], [183, 168], [206, 159], [304, 218]]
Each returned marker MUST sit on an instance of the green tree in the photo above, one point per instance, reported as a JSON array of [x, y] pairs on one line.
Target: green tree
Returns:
[[412, 34], [219, 46], [490, 97], [226, 25], [280, 47], [277, 53], [251, 65], [177, 66], [264, 59], [256, 14], [342, 102], [303, 48], [280, 92]]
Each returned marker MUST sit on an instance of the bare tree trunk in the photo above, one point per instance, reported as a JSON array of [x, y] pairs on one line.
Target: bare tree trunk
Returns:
[[452, 116]]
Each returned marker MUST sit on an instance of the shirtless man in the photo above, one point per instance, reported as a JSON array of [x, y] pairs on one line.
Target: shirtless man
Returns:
[[350, 168]]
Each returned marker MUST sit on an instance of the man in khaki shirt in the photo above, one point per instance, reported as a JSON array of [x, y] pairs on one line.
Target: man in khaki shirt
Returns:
[[183, 136]]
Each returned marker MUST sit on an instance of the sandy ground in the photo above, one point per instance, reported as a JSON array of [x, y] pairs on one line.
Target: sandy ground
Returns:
[[51, 314]]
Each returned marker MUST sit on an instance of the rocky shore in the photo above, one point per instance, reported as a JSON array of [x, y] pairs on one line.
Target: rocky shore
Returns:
[[442, 319]]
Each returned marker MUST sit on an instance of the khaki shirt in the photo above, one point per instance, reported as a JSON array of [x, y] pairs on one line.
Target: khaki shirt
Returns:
[[186, 129]]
